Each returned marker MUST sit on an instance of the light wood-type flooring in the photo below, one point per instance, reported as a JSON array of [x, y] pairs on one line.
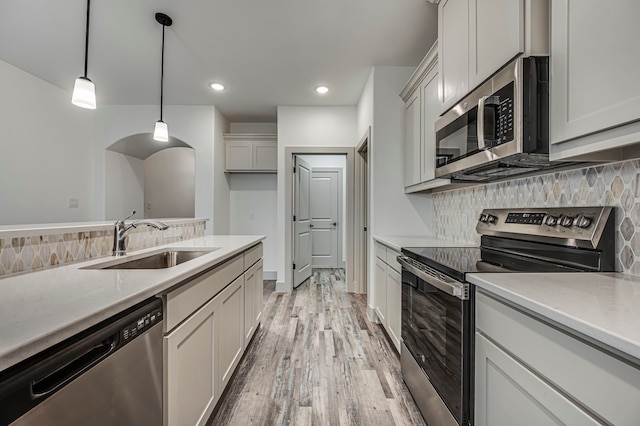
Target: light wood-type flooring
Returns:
[[317, 360]]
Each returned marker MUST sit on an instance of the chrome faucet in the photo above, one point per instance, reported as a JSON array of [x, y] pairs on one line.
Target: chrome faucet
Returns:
[[121, 231]]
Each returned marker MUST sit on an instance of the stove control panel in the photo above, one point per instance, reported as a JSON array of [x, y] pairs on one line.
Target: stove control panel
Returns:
[[582, 224]]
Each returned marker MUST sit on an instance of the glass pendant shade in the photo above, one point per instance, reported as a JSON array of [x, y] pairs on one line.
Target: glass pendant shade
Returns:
[[84, 93], [161, 132]]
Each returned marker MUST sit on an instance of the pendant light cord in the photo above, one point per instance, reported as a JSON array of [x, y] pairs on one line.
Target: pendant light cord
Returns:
[[162, 74], [86, 40]]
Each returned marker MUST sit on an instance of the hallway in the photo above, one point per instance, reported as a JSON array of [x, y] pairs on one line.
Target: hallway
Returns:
[[317, 360]]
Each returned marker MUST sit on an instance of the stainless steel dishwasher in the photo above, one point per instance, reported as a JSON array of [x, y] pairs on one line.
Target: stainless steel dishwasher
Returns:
[[109, 374]]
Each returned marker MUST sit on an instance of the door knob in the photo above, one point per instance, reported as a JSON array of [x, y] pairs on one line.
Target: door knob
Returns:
[[335, 224], [310, 226]]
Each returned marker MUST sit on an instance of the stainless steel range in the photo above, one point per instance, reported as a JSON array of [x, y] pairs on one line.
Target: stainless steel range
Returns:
[[438, 303]]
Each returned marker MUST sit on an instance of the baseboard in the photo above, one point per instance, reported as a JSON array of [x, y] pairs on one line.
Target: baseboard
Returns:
[[270, 275], [281, 287], [371, 314]]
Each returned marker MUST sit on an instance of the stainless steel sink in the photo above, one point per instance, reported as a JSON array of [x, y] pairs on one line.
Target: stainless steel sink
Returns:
[[161, 260]]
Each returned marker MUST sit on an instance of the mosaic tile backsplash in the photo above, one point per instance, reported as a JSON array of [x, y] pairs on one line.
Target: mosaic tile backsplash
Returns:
[[617, 184], [33, 253]]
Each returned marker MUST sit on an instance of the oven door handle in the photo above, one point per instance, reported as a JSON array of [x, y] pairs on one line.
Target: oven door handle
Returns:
[[453, 288]]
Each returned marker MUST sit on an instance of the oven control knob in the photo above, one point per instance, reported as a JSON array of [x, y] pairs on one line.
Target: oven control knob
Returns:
[[551, 220], [491, 218], [582, 221], [566, 221], [482, 218]]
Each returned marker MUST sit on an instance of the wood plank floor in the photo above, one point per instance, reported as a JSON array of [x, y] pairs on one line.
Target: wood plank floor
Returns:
[[317, 360]]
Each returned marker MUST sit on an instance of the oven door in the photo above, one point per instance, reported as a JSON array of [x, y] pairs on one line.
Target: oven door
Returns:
[[437, 333]]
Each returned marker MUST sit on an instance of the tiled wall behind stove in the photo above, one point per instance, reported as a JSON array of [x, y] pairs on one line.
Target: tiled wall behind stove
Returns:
[[33, 253], [616, 184]]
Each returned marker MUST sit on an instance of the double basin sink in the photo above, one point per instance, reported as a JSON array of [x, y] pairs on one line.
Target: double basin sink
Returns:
[[156, 260]]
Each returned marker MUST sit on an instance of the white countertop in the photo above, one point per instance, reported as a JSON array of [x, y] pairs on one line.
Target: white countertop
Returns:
[[396, 242], [40, 309], [601, 306]]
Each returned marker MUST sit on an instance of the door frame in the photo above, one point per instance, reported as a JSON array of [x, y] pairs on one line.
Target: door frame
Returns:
[[289, 152], [340, 229], [362, 196]]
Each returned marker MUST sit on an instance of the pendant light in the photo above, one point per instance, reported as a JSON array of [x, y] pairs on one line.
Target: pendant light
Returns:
[[161, 132], [84, 92]]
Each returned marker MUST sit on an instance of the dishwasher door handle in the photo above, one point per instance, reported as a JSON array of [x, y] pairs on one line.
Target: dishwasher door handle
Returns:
[[71, 369]]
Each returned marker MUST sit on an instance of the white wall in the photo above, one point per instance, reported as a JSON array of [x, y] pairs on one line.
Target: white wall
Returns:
[[169, 184], [391, 211], [253, 209], [307, 126], [221, 210], [265, 128], [195, 125], [45, 153], [124, 187]]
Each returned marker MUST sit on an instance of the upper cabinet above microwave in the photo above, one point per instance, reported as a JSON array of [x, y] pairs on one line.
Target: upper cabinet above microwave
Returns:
[[478, 37], [594, 92]]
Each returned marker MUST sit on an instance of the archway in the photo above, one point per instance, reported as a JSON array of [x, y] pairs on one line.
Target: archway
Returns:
[[155, 179]]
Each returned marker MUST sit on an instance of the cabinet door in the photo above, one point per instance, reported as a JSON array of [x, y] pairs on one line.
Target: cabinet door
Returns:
[[230, 329], [594, 74], [258, 289], [380, 290], [190, 375], [265, 156], [412, 140], [252, 300], [430, 112], [394, 305], [507, 393], [453, 51], [238, 155], [496, 35]]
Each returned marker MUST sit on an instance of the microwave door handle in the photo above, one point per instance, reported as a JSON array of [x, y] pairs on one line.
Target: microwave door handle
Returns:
[[480, 127]]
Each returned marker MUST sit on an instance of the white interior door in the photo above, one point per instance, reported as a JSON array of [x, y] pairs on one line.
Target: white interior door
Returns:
[[301, 222], [326, 196]]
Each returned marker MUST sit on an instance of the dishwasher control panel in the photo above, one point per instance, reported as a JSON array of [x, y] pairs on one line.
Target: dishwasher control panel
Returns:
[[140, 325]]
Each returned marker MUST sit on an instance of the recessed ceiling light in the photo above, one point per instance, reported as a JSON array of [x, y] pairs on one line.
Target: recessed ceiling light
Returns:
[[322, 89], [217, 86]]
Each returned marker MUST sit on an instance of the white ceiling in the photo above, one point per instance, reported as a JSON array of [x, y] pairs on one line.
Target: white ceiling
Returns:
[[266, 52]]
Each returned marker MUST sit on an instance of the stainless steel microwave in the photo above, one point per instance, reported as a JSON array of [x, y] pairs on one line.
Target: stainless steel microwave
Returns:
[[499, 130]]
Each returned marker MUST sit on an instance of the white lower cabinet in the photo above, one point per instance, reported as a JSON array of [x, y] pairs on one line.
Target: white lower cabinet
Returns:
[[380, 289], [230, 329], [253, 289], [394, 305], [507, 393], [388, 291], [191, 386], [205, 335], [530, 372]]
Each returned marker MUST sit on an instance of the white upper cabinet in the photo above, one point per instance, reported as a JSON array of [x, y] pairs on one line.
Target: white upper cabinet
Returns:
[[453, 55], [255, 153], [496, 35], [421, 110], [594, 93], [412, 143], [478, 37]]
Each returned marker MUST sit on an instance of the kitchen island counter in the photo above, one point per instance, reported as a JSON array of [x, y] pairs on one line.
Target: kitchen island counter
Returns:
[[41, 309]]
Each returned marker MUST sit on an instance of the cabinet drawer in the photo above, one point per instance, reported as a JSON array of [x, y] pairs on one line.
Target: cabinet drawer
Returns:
[[183, 301], [381, 251], [609, 387], [252, 255], [392, 259]]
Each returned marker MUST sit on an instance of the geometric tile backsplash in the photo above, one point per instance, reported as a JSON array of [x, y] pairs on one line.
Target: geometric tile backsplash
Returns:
[[35, 252], [613, 184]]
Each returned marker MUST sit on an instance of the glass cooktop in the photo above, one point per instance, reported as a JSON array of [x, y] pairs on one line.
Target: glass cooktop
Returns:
[[456, 262]]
